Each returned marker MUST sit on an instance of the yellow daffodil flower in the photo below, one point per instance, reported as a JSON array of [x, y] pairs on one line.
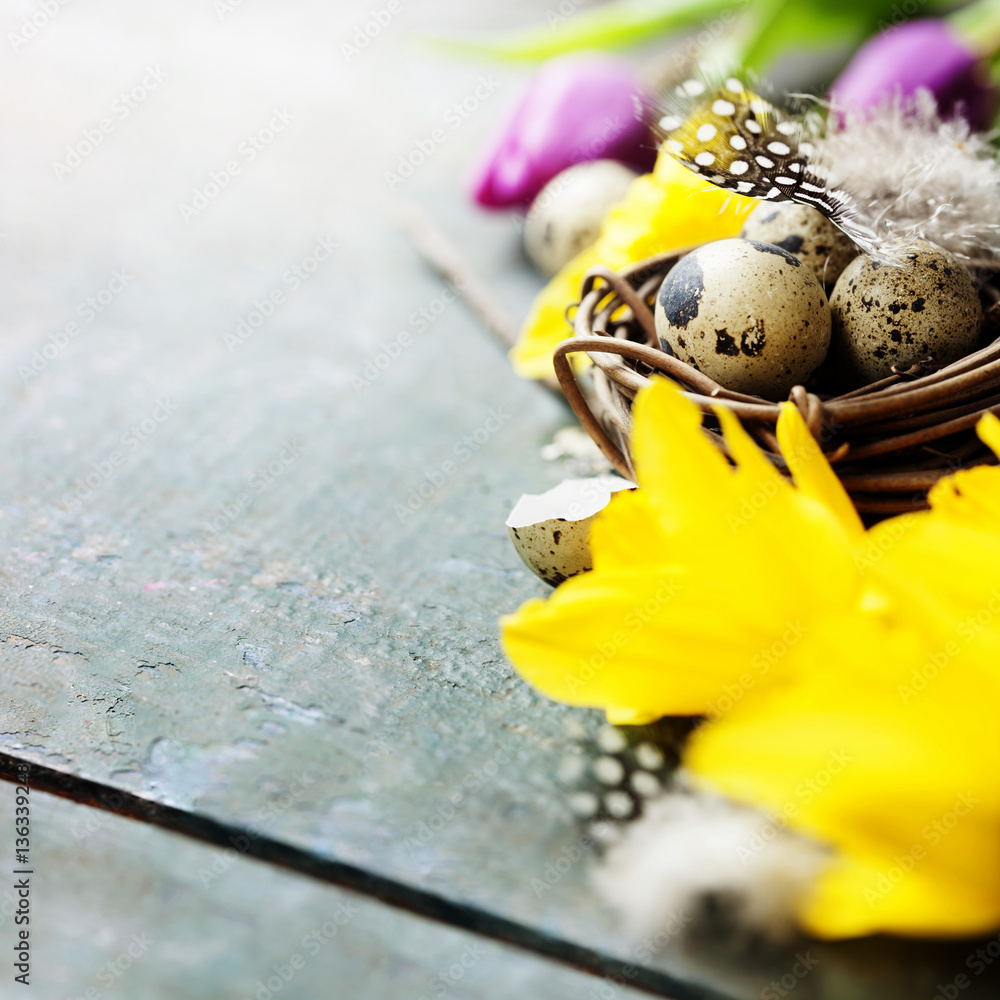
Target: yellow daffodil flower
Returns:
[[851, 679], [684, 589], [669, 208], [903, 780]]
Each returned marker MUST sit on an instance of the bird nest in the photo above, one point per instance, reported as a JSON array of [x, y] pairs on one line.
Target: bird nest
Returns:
[[889, 442]]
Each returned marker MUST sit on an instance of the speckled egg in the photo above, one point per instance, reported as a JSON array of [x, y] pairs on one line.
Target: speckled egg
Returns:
[[885, 316], [802, 231], [569, 211], [551, 531], [748, 314]]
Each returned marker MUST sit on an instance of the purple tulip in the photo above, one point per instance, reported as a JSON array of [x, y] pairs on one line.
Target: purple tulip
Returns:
[[925, 53], [576, 108]]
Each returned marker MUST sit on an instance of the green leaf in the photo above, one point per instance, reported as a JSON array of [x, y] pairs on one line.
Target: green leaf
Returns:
[[610, 26], [784, 25], [979, 26]]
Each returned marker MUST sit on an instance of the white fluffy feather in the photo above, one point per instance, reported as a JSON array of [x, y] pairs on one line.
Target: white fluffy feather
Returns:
[[914, 175], [687, 847]]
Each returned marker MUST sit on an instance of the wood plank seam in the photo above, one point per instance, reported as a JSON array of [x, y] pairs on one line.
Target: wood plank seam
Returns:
[[387, 890]]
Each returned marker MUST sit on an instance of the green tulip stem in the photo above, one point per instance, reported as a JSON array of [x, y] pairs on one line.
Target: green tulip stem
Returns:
[[979, 26]]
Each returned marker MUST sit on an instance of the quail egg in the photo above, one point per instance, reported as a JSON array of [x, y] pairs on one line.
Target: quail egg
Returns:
[[804, 232], [886, 315], [569, 211], [750, 315]]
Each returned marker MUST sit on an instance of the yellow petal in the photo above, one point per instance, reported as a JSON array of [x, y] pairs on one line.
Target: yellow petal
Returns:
[[811, 471], [628, 535], [988, 430], [750, 460], [903, 788], [943, 578], [646, 643], [688, 478], [734, 522], [546, 326], [973, 495]]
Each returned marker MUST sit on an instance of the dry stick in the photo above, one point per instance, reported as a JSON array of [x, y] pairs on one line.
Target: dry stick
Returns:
[[447, 259]]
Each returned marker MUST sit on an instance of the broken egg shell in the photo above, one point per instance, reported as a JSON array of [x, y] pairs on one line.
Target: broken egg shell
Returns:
[[804, 232], [569, 211], [747, 314], [551, 531], [885, 316]]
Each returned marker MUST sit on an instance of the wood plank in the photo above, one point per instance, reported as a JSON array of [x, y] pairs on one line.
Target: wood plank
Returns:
[[124, 909]]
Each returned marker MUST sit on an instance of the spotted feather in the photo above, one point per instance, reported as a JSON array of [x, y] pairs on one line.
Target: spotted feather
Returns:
[[743, 143]]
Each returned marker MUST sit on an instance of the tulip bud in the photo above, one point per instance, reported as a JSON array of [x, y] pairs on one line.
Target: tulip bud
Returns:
[[576, 108], [918, 54]]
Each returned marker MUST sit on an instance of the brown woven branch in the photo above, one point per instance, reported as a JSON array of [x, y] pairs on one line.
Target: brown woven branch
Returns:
[[890, 440]]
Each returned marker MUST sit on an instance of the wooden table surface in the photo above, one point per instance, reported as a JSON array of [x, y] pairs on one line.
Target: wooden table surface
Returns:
[[300, 764]]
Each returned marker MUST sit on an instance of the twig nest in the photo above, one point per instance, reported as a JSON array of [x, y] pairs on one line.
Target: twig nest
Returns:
[[804, 232], [886, 315], [567, 215], [551, 531], [748, 314]]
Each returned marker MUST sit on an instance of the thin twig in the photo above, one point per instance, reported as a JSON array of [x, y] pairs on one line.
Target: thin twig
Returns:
[[448, 260]]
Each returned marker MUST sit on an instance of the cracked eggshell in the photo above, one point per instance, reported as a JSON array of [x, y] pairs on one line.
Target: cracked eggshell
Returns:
[[551, 531], [569, 211], [804, 232], [748, 314], [884, 315]]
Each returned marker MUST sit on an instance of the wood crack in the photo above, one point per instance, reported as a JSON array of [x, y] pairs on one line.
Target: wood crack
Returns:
[[387, 890]]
